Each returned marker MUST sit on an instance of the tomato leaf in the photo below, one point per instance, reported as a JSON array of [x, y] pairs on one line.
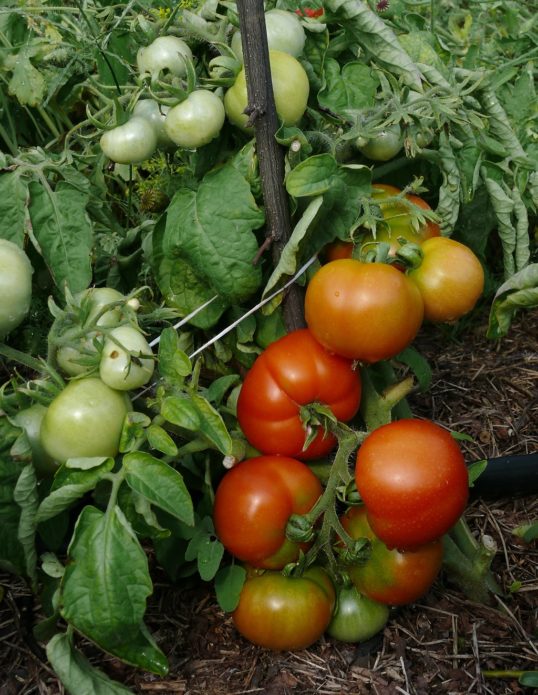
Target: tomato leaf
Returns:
[[212, 425], [312, 177], [27, 84], [529, 679], [13, 207], [25, 495], [76, 673], [206, 549], [418, 365], [211, 230], [69, 485], [160, 440], [518, 292], [229, 581], [181, 411], [63, 232], [347, 91], [140, 514], [105, 587], [174, 364], [159, 483]]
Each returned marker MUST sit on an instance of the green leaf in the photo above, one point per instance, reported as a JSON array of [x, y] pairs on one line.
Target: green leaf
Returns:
[[347, 90], [312, 177], [12, 556], [69, 485], [212, 425], [475, 470], [174, 364], [419, 366], [161, 484], [160, 440], [529, 679], [206, 549], [76, 673], [518, 292], [27, 84], [219, 387], [105, 587], [229, 581], [140, 514], [25, 495], [63, 231], [181, 411], [287, 264], [13, 207], [211, 229]]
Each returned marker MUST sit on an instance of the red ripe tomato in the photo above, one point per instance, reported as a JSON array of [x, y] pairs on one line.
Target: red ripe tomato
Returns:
[[363, 311], [413, 480], [292, 372], [450, 279], [253, 503], [285, 613], [391, 576]]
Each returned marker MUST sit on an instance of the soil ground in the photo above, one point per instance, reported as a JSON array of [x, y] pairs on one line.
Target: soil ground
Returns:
[[443, 644]]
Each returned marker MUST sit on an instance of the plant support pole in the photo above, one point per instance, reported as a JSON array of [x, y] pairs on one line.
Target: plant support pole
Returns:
[[262, 115]]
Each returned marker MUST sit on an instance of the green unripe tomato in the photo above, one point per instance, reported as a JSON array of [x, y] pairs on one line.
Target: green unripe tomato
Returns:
[[99, 297], [384, 146], [155, 114], [164, 53], [290, 88], [284, 33], [84, 420], [130, 143], [123, 366], [356, 618], [15, 286], [196, 120], [30, 421]]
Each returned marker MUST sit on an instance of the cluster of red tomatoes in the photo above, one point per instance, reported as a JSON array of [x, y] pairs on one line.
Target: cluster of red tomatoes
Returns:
[[410, 474]]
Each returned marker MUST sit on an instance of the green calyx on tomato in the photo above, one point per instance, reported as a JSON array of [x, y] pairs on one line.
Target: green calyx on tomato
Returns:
[[15, 286], [413, 480], [390, 576], [290, 87], [285, 612], [253, 503], [196, 120], [450, 279], [292, 372], [84, 420], [356, 617], [363, 311]]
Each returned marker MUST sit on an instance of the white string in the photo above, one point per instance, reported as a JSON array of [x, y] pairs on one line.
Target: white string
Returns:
[[254, 308], [186, 318]]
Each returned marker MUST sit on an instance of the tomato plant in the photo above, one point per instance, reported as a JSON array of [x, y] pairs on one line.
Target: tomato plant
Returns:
[[165, 53], [126, 359], [450, 279], [84, 420], [390, 576], [196, 120], [363, 311], [413, 480], [253, 503], [15, 286], [284, 33], [285, 612], [130, 143], [356, 617], [290, 87], [293, 372]]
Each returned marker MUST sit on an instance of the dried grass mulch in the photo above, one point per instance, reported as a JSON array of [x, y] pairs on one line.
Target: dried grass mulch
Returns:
[[443, 644]]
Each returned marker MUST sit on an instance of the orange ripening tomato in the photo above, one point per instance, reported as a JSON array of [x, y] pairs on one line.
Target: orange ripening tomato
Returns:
[[450, 279], [253, 503], [397, 220], [363, 311], [390, 576], [295, 371]]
